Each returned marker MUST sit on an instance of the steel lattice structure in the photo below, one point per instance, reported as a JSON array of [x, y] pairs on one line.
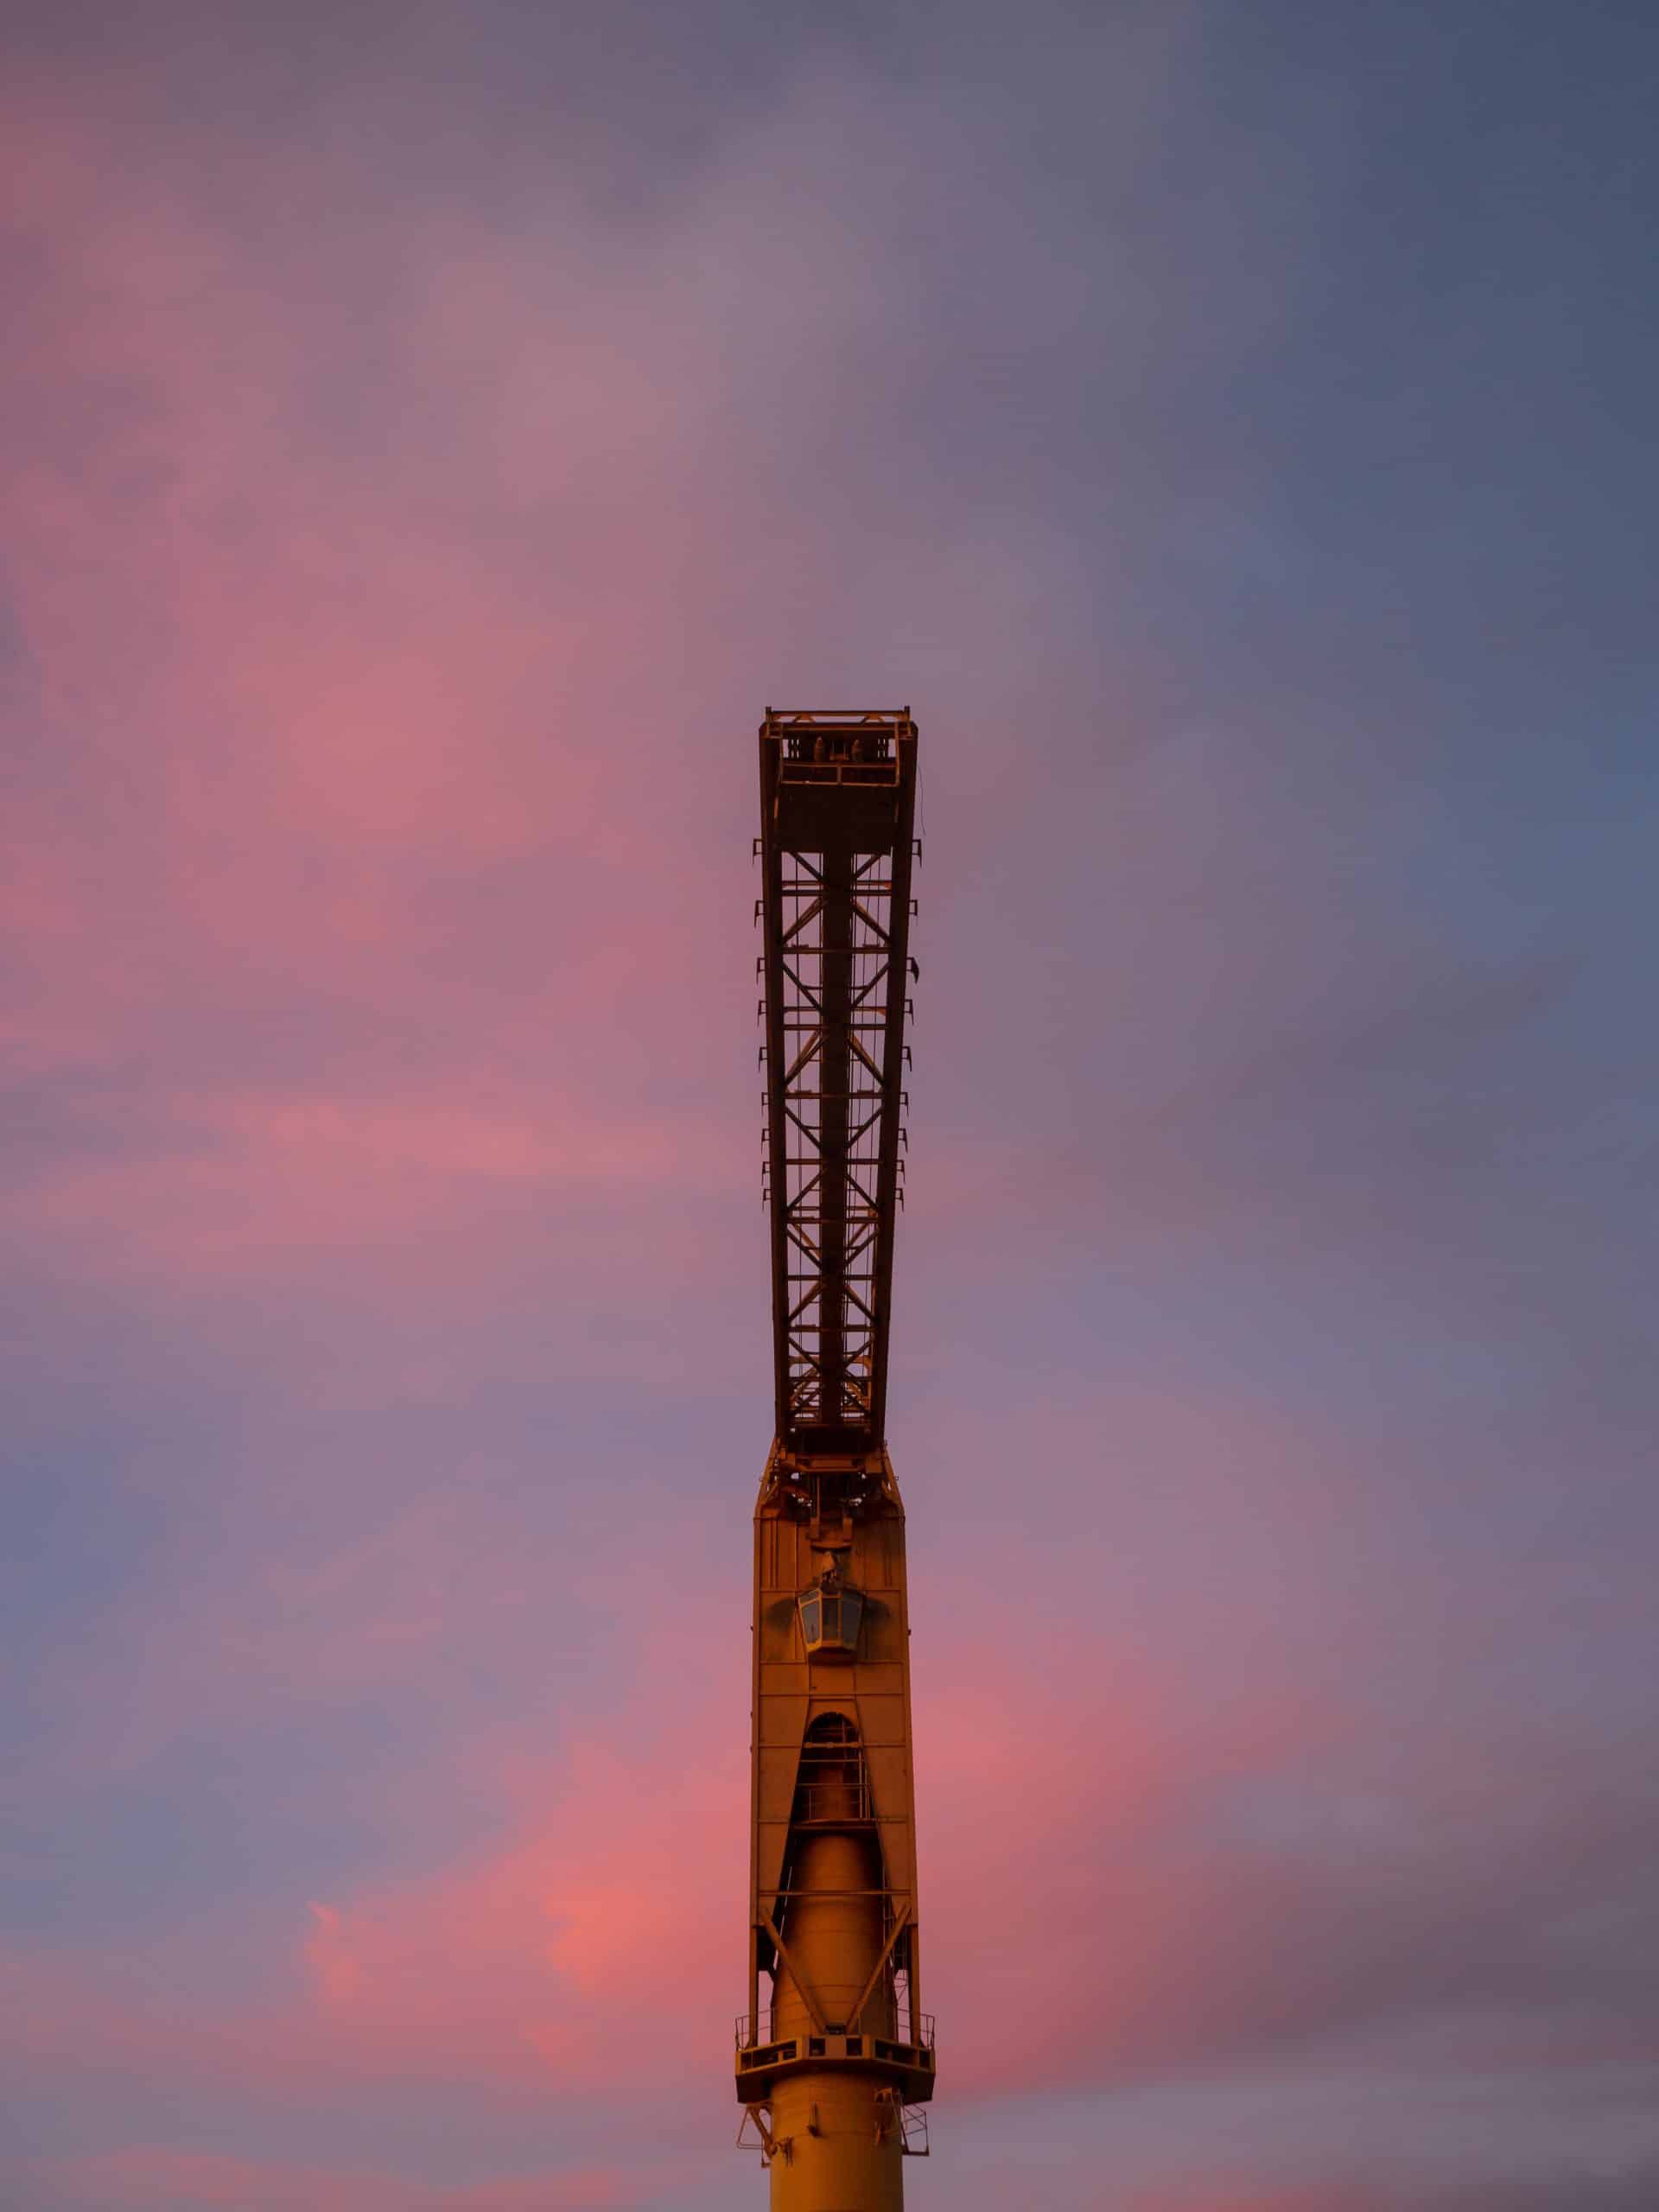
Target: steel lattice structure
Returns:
[[837, 795]]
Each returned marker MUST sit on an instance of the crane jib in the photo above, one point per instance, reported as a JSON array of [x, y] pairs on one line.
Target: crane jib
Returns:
[[837, 809]]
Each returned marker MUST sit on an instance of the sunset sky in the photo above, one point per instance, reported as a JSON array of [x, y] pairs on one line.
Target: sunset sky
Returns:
[[431, 435]]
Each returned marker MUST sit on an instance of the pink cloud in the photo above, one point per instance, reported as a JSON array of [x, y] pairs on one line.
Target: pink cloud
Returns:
[[393, 1187], [536, 1975], [598, 1933], [156, 2178], [597, 1939], [277, 703], [291, 678]]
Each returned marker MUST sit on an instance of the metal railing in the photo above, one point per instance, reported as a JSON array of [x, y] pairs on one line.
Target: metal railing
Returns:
[[833, 1800], [884, 772], [908, 2038]]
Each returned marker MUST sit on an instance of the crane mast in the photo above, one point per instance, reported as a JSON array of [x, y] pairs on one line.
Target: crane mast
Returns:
[[835, 2057]]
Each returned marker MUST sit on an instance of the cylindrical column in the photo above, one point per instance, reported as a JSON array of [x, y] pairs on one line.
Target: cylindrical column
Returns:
[[833, 1934], [840, 2135], [842, 2149]]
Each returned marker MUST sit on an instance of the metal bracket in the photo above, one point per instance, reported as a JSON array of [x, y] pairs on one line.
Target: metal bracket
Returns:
[[806, 1996], [772, 2146], [899, 1920]]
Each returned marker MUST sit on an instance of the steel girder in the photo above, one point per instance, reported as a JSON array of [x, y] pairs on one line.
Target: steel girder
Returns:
[[837, 808]]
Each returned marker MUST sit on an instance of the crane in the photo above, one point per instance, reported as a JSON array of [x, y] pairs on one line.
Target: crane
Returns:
[[834, 2057]]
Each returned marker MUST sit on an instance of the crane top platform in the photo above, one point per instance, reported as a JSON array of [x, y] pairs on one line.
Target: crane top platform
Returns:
[[837, 778]]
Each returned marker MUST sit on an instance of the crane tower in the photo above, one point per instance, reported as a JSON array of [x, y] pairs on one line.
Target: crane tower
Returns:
[[834, 2055]]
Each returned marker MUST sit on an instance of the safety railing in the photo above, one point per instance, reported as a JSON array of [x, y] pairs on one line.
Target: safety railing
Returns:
[[767, 2048]]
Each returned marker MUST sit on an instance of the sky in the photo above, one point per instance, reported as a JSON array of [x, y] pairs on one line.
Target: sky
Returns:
[[431, 436]]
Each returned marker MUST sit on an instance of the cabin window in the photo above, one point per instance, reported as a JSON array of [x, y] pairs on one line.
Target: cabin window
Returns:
[[829, 1620]]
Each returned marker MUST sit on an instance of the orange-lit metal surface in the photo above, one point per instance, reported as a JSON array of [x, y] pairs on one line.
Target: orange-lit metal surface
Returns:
[[834, 2056]]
